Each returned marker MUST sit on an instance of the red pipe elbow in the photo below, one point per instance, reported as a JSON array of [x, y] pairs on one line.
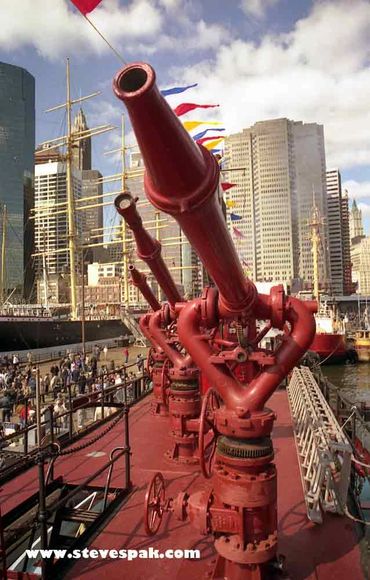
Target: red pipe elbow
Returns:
[[158, 335], [235, 395]]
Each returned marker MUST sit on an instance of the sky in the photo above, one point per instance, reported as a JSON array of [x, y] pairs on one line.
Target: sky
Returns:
[[307, 60]]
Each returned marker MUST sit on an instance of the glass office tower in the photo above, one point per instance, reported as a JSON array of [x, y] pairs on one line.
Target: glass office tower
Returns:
[[17, 145]]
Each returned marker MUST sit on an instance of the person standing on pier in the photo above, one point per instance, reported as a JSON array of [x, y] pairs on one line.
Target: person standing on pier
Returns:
[[126, 355]]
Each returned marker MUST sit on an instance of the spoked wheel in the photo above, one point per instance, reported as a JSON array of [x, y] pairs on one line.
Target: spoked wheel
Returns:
[[207, 432], [155, 498]]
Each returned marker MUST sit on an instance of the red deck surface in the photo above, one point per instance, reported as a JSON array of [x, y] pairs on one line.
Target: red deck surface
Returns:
[[322, 552]]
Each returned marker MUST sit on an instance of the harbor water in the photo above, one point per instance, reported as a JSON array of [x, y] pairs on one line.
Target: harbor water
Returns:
[[352, 379]]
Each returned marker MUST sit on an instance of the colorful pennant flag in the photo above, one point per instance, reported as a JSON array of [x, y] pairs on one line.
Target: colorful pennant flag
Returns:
[[190, 125], [210, 145], [225, 186], [186, 107], [205, 139], [177, 90], [238, 233], [235, 217], [202, 133], [86, 6], [230, 203]]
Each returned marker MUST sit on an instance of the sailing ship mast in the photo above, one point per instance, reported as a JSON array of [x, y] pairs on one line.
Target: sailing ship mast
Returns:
[[315, 240], [71, 203], [3, 256], [70, 207]]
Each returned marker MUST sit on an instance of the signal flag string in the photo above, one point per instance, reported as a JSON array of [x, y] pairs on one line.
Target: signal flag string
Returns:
[[86, 6]]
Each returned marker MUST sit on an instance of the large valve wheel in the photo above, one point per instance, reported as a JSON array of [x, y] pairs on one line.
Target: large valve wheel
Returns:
[[207, 439], [155, 500]]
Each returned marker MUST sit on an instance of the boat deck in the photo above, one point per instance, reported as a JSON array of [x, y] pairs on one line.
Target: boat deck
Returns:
[[312, 552]]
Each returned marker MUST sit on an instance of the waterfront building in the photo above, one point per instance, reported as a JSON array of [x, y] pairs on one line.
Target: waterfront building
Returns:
[[17, 145], [51, 225], [338, 234], [360, 254], [278, 171]]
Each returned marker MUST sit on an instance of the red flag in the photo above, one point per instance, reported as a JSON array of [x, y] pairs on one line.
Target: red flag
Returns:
[[204, 139], [238, 233], [186, 107], [86, 6], [225, 186]]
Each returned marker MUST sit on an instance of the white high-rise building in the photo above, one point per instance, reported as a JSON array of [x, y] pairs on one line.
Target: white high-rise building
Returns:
[[278, 168], [51, 224], [334, 194]]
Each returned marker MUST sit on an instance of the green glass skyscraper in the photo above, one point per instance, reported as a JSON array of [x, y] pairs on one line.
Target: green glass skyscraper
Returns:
[[17, 145]]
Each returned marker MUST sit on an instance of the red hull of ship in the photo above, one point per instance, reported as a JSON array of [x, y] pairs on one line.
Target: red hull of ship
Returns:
[[329, 346]]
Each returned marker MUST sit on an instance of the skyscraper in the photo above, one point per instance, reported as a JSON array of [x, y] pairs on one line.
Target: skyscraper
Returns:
[[338, 230], [277, 169], [355, 222], [17, 144], [92, 185], [51, 226], [81, 152]]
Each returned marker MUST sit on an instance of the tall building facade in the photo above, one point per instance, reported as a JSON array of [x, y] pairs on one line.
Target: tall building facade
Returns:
[[81, 152], [356, 226], [277, 169], [346, 241], [51, 224], [339, 237], [360, 253], [17, 145], [92, 184]]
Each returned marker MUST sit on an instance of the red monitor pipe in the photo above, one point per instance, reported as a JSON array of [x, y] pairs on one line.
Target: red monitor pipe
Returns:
[[139, 280], [181, 179], [148, 249]]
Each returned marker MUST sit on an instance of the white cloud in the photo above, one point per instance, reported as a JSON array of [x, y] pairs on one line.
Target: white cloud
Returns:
[[51, 27], [312, 74], [357, 189], [257, 8]]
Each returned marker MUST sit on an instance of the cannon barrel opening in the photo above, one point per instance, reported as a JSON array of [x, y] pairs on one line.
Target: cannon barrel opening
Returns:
[[182, 179], [148, 248]]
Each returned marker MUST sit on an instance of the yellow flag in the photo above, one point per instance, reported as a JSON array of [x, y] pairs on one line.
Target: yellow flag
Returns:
[[190, 125], [212, 144], [230, 203]]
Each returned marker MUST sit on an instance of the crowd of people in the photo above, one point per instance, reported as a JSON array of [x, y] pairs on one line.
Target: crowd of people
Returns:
[[75, 374]]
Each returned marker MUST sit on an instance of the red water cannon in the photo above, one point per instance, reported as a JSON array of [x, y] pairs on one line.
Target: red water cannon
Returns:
[[182, 179]]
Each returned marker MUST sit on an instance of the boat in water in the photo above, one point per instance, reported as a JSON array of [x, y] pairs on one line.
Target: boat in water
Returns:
[[362, 345], [33, 332], [330, 339]]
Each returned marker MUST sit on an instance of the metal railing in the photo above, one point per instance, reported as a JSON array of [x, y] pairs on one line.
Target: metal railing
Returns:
[[50, 516], [85, 413], [324, 452]]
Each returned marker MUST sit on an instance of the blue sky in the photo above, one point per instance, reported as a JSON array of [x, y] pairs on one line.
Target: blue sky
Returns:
[[306, 60]]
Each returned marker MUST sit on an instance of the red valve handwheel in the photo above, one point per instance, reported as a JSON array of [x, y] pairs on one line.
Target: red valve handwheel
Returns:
[[211, 403], [155, 498]]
